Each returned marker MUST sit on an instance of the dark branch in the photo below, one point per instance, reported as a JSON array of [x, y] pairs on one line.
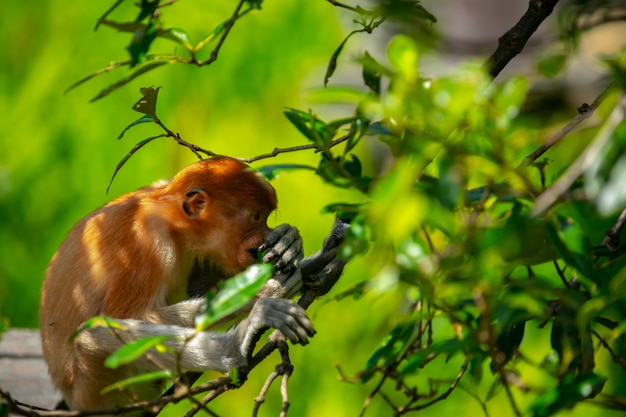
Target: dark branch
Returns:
[[513, 41]]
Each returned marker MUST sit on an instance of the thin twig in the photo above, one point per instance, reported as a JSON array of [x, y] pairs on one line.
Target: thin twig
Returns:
[[509, 394], [447, 392], [229, 26], [278, 151], [260, 399], [612, 237], [343, 6], [616, 358], [585, 111], [550, 196]]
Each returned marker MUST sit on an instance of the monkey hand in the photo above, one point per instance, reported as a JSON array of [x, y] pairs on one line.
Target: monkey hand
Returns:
[[282, 314], [284, 249]]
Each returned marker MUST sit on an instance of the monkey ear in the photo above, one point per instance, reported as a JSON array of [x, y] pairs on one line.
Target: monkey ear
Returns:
[[195, 202]]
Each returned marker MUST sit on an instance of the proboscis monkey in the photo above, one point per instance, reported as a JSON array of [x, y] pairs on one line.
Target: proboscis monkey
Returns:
[[147, 258]]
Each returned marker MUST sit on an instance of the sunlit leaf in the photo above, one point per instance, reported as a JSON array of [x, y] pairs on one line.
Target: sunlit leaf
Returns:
[[98, 321], [403, 55], [140, 379], [235, 293], [132, 351], [218, 30], [178, 36]]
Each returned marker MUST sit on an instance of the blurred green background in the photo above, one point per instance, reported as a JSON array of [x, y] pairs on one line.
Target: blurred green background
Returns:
[[58, 152]]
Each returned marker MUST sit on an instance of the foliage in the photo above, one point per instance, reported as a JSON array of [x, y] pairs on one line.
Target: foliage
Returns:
[[507, 264]]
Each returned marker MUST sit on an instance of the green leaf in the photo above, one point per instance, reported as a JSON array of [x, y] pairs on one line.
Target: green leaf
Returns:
[[311, 127], [332, 64], [552, 65], [235, 376], [110, 67], [140, 43], [139, 71], [371, 73], [406, 9], [255, 4], [4, 409], [132, 351], [330, 169], [571, 247], [236, 292], [389, 349], [416, 361], [139, 379], [144, 119], [570, 391], [98, 321], [353, 166], [177, 35], [218, 29], [147, 8], [403, 55], [508, 342], [126, 157], [358, 237], [271, 172]]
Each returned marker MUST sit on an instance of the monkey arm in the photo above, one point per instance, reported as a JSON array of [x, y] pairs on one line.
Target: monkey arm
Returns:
[[203, 351]]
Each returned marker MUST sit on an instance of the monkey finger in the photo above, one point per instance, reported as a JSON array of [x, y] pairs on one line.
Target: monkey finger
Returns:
[[286, 241], [290, 258], [275, 235]]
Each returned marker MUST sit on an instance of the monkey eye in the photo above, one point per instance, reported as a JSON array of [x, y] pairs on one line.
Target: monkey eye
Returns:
[[256, 216]]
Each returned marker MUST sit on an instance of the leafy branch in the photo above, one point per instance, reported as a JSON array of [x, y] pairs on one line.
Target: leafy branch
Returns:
[[146, 28]]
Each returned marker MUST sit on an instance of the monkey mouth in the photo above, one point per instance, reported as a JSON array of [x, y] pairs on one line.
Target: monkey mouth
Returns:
[[254, 252]]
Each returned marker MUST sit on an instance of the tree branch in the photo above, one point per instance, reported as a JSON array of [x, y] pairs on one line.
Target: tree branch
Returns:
[[513, 41], [550, 196], [585, 111]]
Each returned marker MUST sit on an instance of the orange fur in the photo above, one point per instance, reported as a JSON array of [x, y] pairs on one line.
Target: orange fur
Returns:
[[134, 256]]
